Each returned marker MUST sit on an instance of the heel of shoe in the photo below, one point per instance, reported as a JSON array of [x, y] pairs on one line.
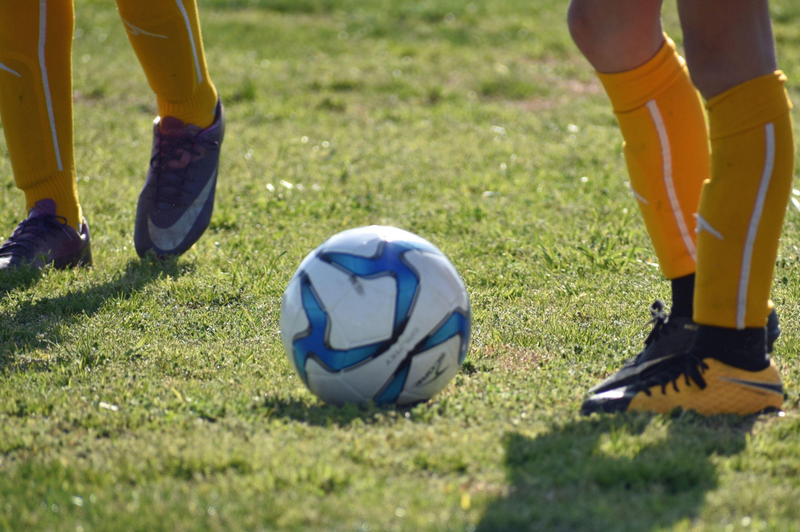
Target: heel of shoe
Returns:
[[773, 330], [85, 260]]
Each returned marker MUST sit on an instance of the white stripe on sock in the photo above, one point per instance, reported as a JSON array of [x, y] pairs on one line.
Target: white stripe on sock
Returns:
[[9, 70], [45, 82], [755, 220], [666, 157], [191, 40]]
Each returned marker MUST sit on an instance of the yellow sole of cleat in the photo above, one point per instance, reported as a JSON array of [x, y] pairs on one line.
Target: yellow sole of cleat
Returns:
[[729, 390]]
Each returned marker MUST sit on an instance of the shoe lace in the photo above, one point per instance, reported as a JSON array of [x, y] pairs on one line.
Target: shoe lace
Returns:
[[171, 162], [688, 366], [30, 230], [659, 320]]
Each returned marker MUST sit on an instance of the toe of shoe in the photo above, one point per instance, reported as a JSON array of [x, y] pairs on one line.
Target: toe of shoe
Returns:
[[608, 402], [622, 378]]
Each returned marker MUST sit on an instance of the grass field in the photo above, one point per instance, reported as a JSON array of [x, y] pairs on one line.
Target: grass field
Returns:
[[145, 396]]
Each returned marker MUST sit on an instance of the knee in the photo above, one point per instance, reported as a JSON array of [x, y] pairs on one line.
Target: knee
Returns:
[[585, 28], [717, 65], [726, 47], [618, 35]]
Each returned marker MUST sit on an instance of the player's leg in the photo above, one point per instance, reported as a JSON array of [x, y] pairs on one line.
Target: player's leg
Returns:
[[176, 203], [666, 149], [36, 110], [616, 35], [730, 52]]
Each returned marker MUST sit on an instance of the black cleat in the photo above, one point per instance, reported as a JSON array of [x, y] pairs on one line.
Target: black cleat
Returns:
[[698, 382], [671, 336], [44, 238]]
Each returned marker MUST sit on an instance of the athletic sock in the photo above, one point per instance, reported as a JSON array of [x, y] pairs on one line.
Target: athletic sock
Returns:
[[743, 205], [682, 296], [165, 35], [36, 101], [744, 348], [661, 118]]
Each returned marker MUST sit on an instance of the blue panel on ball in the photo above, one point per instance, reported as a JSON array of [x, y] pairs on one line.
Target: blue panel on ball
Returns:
[[388, 261], [313, 343], [392, 392], [456, 324]]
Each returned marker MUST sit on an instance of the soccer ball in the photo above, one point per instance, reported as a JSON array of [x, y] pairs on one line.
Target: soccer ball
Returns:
[[375, 314]]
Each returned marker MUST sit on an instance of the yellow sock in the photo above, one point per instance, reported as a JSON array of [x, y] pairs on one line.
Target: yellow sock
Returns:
[[662, 121], [165, 35], [36, 101], [743, 205]]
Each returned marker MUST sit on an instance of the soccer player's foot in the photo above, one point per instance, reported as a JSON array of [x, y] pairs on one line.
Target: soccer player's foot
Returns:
[[728, 381], [176, 203], [670, 336], [44, 238]]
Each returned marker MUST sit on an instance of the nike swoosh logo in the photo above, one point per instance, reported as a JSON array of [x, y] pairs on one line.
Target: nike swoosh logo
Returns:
[[133, 30], [644, 365], [629, 372], [770, 387], [9, 70], [169, 238]]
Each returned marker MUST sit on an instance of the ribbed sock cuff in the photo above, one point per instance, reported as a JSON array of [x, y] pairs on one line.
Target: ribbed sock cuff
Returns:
[[748, 105], [63, 190], [634, 88]]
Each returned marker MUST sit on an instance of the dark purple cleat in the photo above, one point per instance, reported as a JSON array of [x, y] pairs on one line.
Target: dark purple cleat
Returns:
[[178, 197], [44, 238]]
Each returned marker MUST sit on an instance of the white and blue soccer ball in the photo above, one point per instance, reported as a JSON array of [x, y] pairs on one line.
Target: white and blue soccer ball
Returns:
[[376, 314]]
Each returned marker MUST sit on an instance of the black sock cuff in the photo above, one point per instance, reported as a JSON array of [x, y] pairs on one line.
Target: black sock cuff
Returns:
[[743, 348], [682, 296]]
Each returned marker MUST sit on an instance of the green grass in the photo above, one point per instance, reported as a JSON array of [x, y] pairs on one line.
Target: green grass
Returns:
[[142, 396]]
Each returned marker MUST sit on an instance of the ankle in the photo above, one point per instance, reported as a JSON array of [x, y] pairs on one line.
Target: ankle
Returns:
[[742, 348], [62, 189], [199, 110], [682, 296]]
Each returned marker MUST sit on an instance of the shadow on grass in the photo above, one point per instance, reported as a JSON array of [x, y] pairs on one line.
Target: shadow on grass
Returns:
[[38, 322], [325, 415], [21, 277], [607, 474]]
